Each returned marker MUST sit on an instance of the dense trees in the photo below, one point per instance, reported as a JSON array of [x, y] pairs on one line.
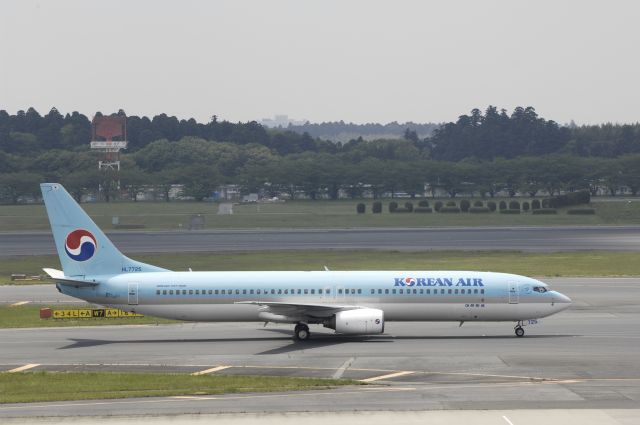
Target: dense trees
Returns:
[[480, 153]]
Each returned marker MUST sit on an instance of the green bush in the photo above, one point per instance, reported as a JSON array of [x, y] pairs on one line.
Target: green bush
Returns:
[[465, 205], [545, 211], [479, 210], [423, 203], [449, 210], [503, 205], [422, 210], [514, 205], [393, 206], [401, 210], [360, 208], [569, 199], [451, 203], [408, 206], [535, 204], [525, 206], [377, 207], [510, 211], [438, 206], [478, 204], [581, 211], [491, 205]]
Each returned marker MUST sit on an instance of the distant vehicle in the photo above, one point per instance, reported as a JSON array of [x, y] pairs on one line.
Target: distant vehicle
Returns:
[[350, 302]]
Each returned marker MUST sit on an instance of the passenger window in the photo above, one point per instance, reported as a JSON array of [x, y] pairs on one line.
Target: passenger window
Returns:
[[456, 291], [313, 291], [415, 291], [306, 291], [400, 291], [379, 291], [386, 291], [339, 291], [442, 292], [279, 291], [157, 292], [449, 291], [237, 292], [258, 291], [244, 292], [320, 291], [210, 291], [393, 291], [197, 292], [373, 291], [428, 291], [462, 291], [475, 291], [482, 291], [171, 292], [216, 292], [223, 292], [190, 291], [273, 291]]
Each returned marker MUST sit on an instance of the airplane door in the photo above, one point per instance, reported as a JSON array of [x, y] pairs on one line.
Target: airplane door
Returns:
[[514, 296], [133, 294]]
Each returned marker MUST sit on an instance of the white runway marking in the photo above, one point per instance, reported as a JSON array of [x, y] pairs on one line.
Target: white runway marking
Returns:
[[507, 419], [25, 367], [388, 376], [212, 370], [19, 303], [343, 368]]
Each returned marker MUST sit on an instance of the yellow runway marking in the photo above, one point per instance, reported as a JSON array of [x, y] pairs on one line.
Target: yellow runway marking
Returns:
[[390, 375], [25, 367], [19, 303], [212, 370]]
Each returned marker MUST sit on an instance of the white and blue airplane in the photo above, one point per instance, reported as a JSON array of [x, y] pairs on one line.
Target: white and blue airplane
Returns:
[[350, 302]]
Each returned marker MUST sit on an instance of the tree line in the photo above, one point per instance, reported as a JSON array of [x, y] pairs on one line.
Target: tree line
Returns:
[[480, 153], [376, 169]]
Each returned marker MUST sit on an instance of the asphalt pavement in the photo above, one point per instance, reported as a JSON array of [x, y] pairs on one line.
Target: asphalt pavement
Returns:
[[584, 358], [540, 239]]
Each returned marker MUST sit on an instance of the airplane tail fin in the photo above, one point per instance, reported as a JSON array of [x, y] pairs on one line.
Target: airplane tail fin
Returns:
[[83, 249]]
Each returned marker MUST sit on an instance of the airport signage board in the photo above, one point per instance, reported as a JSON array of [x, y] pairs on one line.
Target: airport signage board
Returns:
[[92, 313]]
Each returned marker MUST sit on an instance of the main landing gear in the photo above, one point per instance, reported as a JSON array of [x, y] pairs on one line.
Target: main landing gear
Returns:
[[301, 332], [519, 329]]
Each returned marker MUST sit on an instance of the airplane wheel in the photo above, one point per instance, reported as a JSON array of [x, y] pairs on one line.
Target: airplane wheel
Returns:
[[519, 332], [302, 332]]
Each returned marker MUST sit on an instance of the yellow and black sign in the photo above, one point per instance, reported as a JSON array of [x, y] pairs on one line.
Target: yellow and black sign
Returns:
[[92, 313]]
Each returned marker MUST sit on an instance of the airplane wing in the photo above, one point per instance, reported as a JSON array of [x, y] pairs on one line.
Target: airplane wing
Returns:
[[301, 309], [59, 277]]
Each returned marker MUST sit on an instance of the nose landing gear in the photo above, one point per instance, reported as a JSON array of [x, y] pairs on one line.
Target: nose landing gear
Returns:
[[301, 332], [519, 329]]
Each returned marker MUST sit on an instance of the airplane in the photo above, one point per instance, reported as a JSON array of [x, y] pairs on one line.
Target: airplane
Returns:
[[349, 302]]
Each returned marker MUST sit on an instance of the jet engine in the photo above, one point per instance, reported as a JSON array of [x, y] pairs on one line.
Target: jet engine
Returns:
[[362, 321]]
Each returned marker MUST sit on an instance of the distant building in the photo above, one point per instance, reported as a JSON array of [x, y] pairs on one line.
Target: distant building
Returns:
[[282, 121]]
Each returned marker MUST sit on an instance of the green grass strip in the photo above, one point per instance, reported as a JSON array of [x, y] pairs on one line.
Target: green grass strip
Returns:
[[28, 316], [58, 386], [581, 263]]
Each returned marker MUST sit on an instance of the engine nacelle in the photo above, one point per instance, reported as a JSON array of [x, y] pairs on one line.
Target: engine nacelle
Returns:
[[362, 321]]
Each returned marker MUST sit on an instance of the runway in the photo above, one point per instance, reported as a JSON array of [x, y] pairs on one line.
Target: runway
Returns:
[[622, 238], [584, 358]]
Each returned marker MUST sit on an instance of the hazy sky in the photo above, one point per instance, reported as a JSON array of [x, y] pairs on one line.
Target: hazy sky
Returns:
[[361, 61]]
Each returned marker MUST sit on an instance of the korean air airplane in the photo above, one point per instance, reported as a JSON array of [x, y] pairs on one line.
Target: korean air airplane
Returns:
[[350, 302]]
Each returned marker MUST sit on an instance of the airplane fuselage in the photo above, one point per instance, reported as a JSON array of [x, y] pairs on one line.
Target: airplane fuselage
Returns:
[[401, 295]]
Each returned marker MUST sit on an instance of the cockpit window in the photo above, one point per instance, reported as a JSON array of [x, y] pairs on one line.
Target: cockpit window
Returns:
[[540, 289]]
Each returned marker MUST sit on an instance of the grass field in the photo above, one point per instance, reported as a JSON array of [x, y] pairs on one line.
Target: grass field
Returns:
[[58, 386], [304, 214], [590, 263], [28, 316]]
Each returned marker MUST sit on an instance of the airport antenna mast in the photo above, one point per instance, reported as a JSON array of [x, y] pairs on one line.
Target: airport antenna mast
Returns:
[[109, 136]]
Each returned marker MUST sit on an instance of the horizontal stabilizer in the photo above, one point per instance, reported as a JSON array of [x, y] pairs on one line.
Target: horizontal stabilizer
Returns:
[[59, 277]]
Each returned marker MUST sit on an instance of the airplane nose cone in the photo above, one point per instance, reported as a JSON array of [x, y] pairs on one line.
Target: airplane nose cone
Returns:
[[561, 300]]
